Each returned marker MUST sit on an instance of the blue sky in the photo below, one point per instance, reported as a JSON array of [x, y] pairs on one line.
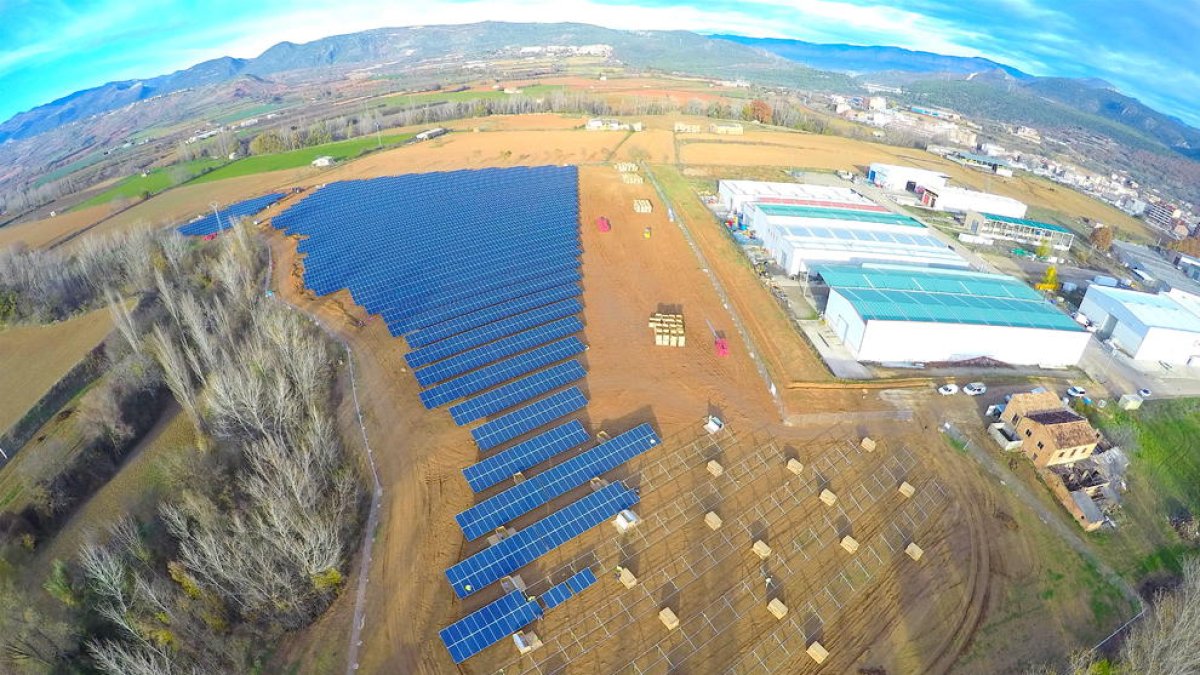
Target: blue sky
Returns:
[[1145, 48]]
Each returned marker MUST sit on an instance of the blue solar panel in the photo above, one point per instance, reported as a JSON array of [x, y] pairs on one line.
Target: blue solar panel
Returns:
[[494, 351], [523, 456], [488, 625], [563, 592], [555, 481], [511, 554], [501, 371], [492, 331], [224, 219], [485, 316], [516, 392], [524, 420], [444, 312]]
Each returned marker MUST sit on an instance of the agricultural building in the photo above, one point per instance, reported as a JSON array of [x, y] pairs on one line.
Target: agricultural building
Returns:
[[904, 178], [801, 236], [961, 200], [1021, 230], [685, 128], [904, 313], [734, 195], [726, 128], [1149, 327]]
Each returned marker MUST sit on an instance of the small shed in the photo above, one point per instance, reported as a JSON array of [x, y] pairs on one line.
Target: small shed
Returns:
[[817, 652], [712, 520], [777, 608], [668, 618], [828, 497], [850, 544], [715, 468], [907, 489], [761, 549], [627, 578], [795, 466], [868, 444], [914, 551]]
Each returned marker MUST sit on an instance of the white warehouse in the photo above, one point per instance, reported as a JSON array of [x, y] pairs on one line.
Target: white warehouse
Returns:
[[736, 194], [904, 178], [800, 236], [900, 313], [961, 200], [1148, 327]]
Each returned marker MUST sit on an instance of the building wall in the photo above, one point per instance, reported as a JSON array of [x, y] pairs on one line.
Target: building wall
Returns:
[[897, 177], [844, 321], [969, 200], [920, 341], [1038, 443], [1172, 346]]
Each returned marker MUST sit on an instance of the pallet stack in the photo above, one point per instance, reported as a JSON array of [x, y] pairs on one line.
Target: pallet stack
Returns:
[[668, 329], [642, 206], [632, 179], [626, 167]]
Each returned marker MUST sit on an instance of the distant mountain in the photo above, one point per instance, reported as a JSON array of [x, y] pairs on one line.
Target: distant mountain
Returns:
[[324, 58], [858, 59]]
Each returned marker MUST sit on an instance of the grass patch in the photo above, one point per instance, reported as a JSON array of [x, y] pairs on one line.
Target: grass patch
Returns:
[[154, 182], [339, 150]]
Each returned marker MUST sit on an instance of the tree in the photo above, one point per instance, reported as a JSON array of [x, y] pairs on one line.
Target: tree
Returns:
[[760, 111], [1102, 237], [1167, 639], [1043, 249], [1189, 246], [266, 143], [1049, 280]]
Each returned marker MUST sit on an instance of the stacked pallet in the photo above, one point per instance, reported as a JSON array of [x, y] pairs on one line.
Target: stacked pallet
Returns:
[[626, 167], [641, 206], [632, 179], [668, 329]]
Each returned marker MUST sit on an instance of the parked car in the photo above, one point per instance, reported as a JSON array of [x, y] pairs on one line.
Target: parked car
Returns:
[[975, 389], [1144, 392], [948, 389], [1076, 392]]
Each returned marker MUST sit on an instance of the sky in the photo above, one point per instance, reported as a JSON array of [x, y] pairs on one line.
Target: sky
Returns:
[[1145, 48]]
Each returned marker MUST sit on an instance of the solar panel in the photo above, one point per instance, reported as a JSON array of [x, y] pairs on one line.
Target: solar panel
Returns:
[[494, 351], [516, 392], [500, 371], [511, 554], [488, 625], [430, 335], [492, 331], [573, 586], [444, 312], [525, 455], [224, 219], [524, 420], [555, 481]]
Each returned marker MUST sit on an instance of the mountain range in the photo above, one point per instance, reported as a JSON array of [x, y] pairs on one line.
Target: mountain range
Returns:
[[975, 86]]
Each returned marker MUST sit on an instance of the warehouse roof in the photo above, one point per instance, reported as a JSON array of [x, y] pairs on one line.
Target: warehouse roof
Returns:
[[1037, 224], [906, 293], [1151, 310], [982, 159], [794, 211]]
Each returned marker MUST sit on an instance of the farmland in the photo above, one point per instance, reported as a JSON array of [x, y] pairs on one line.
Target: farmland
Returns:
[[152, 183]]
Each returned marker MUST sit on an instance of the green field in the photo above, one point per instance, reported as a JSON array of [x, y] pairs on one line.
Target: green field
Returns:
[[532, 91], [84, 163], [245, 113], [152, 183], [292, 159]]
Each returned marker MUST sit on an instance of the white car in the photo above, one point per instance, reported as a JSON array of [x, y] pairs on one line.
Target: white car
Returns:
[[948, 389], [975, 389], [1076, 392]]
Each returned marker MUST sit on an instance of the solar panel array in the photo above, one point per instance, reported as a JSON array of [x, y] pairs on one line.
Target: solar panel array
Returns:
[[488, 625], [224, 218], [517, 391], [511, 554], [555, 482], [513, 344], [572, 586], [524, 420], [524, 455], [500, 371], [491, 331]]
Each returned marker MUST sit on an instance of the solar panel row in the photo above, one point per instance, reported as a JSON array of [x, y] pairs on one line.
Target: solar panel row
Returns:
[[225, 218], [572, 586], [555, 481], [478, 319], [442, 312], [500, 371], [516, 392], [492, 351], [524, 420], [492, 331], [512, 553], [488, 625], [525, 455]]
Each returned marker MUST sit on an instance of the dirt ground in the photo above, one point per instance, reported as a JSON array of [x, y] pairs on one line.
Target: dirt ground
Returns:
[[47, 231], [35, 357]]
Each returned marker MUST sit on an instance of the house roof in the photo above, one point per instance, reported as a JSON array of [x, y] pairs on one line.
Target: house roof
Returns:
[[1028, 402], [826, 213], [1152, 310], [1049, 417], [1087, 506], [1035, 224], [906, 293]]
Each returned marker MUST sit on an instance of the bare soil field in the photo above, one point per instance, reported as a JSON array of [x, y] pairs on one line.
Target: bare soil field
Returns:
[[651, 145], [531, 122], [35, 357], [48, 231]]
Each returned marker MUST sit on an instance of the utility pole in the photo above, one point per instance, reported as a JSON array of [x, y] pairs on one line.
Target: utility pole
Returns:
[[216, 215]]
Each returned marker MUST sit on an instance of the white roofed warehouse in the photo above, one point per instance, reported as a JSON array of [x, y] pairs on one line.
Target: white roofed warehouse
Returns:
[[904, 178], [799, 236], [736, 194], [1148, 327], [901, 313], [961, 200]]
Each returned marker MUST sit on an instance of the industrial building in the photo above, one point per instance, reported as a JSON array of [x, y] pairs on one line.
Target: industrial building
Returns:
[[902, 313], [1153, 270], [799, 236], [734, 195], [1021, 230], [1149, 327], [904, 178], [961, 200]]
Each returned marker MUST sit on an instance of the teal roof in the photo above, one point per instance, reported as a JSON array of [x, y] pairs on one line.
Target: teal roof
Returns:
[[983, 159], [904, 293], [1026, 222], [796, 211]]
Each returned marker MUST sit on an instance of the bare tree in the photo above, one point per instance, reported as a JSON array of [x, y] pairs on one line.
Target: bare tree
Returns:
[[1167, 640]]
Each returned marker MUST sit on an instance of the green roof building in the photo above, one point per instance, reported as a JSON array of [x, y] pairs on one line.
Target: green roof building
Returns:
[[1023, 230], [901, 313]]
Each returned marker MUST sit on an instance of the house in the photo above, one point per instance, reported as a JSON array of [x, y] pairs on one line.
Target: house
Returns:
[[685, 128], [1050, 434], [324, 160], [726, 128]]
